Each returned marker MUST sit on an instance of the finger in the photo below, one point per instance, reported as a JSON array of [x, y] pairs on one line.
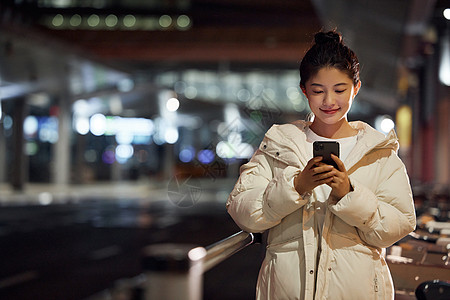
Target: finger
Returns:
[[339, 162], [320, 164], [322, 168], [327, 181], [323, 175], [313, 161], [316, 159]]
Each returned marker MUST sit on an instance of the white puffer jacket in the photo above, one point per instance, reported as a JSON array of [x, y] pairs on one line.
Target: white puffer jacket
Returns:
[[377, 213]]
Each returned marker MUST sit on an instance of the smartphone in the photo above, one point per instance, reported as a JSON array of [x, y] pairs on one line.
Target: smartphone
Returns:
[[324, 149]]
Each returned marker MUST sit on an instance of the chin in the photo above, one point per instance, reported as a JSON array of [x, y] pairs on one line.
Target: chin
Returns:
[[331, 120]]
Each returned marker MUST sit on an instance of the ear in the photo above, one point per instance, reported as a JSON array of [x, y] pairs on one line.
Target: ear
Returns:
[[303, 90], [356, 88]]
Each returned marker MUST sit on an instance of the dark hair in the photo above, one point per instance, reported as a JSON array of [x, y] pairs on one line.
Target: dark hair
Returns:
[[329, 51]]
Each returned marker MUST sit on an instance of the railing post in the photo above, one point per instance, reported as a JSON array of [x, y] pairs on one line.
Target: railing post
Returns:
[[173, 272]]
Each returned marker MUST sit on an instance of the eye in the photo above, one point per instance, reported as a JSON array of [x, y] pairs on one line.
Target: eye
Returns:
[[317, 92], [340, 91]]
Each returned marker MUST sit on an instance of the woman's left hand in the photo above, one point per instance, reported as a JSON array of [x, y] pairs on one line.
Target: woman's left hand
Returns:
[[340, 184]]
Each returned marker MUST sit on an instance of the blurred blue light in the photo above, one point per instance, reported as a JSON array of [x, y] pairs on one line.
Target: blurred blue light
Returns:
[[205, 156], [108, 157], [142, 140], [48, 129], [7, 122], [187, 154]]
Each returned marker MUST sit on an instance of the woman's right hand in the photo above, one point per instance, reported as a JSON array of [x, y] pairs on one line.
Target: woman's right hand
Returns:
[[314, 174]]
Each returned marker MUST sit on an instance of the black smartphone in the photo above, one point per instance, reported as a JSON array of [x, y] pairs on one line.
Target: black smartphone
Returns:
[[324, 149]]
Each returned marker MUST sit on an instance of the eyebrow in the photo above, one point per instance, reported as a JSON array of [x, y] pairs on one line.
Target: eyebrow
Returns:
[[337, 84]]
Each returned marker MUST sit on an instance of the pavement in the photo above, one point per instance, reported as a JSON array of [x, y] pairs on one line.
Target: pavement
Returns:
[[78, 242]]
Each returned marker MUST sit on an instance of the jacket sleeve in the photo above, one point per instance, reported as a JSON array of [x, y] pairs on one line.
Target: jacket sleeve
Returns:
[[385, 215], [260, 200]]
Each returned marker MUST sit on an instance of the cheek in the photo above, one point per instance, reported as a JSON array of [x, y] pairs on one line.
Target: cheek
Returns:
[[346, 100], [314, 99], [313, 104], [352, 94]]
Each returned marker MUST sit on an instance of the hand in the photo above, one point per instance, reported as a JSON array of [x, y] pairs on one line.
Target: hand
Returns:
[[340, 184], [314, 174]]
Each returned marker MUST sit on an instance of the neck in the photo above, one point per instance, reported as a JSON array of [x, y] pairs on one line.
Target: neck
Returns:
[[333, 131]]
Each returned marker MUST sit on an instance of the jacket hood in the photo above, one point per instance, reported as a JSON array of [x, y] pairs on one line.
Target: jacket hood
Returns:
[[293, 137], [375, 139]]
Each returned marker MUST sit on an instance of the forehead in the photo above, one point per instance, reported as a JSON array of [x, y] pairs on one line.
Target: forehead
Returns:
[[330, 76]]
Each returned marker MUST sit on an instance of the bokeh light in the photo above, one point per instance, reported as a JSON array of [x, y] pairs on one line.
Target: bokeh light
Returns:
[[172, 104], [98, 124], [124, 153], [205, 156], [187, 154], [171, 135]]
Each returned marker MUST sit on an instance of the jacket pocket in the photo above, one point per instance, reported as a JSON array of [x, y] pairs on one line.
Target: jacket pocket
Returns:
[[354, 272], [281, 275]]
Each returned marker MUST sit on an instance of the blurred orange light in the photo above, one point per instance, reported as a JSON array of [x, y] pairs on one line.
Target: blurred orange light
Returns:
[[404, 125]]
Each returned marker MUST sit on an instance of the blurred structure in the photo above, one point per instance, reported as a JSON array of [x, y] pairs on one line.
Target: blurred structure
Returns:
[[140, 102], [86, 85]]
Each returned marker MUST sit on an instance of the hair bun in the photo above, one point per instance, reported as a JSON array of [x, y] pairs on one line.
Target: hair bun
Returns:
[[328, 37]]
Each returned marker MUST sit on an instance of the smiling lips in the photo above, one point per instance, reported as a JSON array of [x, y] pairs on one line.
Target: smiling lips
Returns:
[[329, 111]]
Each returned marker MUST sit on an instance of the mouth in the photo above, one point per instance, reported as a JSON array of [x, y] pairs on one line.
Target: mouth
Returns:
[[329, 111]]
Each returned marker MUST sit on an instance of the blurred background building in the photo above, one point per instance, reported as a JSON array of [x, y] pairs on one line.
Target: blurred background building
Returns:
[[127, 90], [126, 96]]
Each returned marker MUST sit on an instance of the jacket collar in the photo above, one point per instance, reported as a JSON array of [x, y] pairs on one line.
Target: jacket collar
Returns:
[[370, 139], [287, 142]]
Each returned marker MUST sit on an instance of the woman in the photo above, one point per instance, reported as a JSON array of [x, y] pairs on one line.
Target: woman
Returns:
[[327, 226]]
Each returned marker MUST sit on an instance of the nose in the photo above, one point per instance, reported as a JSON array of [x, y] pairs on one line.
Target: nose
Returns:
[[328, 100]]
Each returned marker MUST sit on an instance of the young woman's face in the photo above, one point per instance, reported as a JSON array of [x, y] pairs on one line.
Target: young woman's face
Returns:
[[330, 94]]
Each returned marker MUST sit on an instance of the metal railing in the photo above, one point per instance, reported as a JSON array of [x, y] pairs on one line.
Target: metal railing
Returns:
[[175, 271], [220, 251]]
